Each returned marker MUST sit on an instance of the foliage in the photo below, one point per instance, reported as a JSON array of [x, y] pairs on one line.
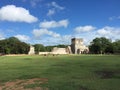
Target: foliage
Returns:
[[103, 45], [116, 47], [49, 48], [38, 48], [13, 46]]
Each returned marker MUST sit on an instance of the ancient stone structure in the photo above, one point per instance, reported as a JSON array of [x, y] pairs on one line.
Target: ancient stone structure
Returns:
[[44, 53], [57, 50], [77, 46], [31, 51]]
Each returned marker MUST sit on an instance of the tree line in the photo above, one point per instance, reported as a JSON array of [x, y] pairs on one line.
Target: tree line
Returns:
[[103, 45], [13, 45], [100, 45]]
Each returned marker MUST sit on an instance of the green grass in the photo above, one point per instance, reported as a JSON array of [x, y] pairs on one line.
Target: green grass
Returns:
[[67, 72]]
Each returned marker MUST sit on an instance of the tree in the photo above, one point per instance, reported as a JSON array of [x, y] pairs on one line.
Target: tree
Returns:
[[109, 49], [49, 48], [13, 45], [61, 46], [38, 48], [99, 45], [116, 46]]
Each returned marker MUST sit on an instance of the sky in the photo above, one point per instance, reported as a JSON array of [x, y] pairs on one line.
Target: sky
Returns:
[[53, 22]]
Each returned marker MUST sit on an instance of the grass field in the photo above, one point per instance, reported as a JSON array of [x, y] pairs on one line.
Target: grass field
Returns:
[[67, 72]]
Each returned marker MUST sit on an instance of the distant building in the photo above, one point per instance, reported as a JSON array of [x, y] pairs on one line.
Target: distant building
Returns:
[[31, 51], [77, 46], [57, 50]]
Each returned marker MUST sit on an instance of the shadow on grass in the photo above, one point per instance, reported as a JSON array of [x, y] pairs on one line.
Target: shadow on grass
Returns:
[[108, 74]]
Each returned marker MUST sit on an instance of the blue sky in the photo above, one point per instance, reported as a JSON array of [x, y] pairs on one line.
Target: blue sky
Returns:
[[52, 22]]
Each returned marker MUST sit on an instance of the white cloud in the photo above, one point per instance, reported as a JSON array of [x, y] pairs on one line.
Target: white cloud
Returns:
[[54, 24], [1, 36], [112, 33], [65, 39], [111, 18], [23, 37], [109, 32], [104, 31], [114, 18], [53, 38], [53, 8], [55, 5], [16, 14], [40, 32], [51, 12], [86, 28], [34, 2]]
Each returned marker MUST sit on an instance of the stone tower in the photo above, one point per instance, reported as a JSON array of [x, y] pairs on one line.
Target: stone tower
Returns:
[[31, 51], [77, 46]]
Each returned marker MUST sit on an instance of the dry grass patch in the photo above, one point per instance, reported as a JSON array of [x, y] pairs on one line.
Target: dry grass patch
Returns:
[[28, 84]]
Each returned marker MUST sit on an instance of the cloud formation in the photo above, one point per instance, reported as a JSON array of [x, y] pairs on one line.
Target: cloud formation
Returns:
[[86, 28], [34, 2], [22, 37], [62, 39], [16, 14], [1, 36], [54, 7], [114, 18], [51, 12], [40, 32], [54, 24], [109, 32]]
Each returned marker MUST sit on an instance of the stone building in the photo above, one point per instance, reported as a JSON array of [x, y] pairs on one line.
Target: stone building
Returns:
[[77, 46], [57, 50], [31, 51]]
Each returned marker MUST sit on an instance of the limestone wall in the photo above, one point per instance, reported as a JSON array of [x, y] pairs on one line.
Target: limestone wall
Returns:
[[59, 50], [78, 47], [31, 51]]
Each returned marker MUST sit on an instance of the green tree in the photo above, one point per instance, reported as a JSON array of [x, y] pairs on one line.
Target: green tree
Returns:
[[116, 46], [99, 45], [49, 48], [38, 48], [13, 45]]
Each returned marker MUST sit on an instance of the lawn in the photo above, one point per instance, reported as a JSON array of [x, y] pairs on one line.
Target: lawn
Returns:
[[66, 72]]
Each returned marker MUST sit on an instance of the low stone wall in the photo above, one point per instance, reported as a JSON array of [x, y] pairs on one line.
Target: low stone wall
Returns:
[[43, 53], [55, 51]]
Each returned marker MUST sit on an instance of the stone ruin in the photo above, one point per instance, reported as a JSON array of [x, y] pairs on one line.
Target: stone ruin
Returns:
[[77, 47], [57, 50], [31, 51]]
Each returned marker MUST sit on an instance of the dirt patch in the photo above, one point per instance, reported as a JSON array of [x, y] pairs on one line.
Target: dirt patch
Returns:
[[28, 84]]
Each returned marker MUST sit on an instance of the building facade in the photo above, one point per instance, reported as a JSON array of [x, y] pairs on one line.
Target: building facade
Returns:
[[31, 51], [78, 47]]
